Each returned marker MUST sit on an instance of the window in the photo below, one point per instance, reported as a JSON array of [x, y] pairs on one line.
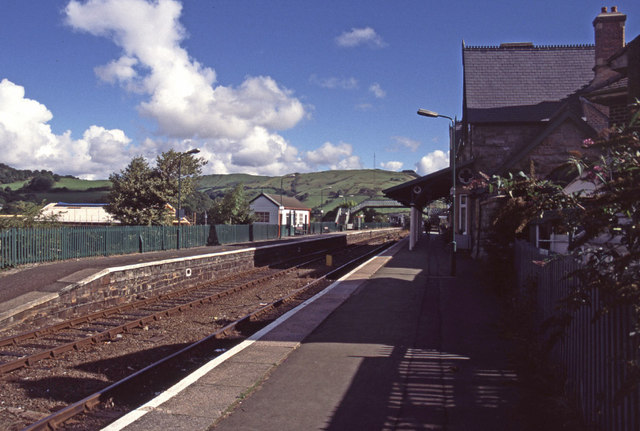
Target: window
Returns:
[[463, 215], [262, 217]]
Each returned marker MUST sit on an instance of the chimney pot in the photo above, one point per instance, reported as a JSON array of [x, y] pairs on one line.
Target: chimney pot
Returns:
[[609, 34], [604, 9]]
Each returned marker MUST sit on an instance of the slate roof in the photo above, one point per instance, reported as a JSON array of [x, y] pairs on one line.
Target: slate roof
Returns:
[[516, 83], [619, 82], [287, 201]]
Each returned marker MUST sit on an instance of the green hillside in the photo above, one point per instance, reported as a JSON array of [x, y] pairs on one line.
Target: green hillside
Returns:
[[64, 189], [334, 186]]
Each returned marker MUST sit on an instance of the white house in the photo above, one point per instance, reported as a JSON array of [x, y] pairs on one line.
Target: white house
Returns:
[[270, 209]]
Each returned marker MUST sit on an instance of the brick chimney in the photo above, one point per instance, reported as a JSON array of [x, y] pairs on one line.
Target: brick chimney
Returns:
[[609, 32]]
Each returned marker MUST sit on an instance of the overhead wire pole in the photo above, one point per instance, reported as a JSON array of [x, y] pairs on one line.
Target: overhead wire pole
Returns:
[[452, 164], [193, 151]]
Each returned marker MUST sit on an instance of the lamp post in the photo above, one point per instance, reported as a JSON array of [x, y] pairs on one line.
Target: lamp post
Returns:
[[452, 163], [193, 151], [282, 190], [321, 203]]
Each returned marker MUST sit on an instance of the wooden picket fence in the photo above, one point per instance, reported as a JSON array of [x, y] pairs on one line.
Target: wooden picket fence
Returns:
[[593, 353]]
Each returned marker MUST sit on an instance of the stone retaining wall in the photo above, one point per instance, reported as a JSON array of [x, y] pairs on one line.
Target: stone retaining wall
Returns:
[[120, 285]]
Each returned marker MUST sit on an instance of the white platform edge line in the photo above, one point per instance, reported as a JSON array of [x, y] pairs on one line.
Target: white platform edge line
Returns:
[[174, 390]]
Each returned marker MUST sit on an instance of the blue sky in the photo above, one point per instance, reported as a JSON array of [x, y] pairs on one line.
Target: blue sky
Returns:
[[261, 87]]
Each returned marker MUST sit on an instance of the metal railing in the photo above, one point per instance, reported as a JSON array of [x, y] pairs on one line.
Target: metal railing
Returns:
[[19, 246], [593, 352]]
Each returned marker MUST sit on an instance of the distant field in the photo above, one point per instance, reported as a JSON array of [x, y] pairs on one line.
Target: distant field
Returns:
[[229, 181], [76, 184], [78, 196], [15, 185], [69, 183]]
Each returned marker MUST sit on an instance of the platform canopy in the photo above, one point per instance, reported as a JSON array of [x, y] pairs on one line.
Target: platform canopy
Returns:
[[421, 191]]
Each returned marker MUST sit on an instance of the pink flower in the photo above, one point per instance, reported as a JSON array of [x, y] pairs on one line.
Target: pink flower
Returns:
[[588, 143], [597, 168]]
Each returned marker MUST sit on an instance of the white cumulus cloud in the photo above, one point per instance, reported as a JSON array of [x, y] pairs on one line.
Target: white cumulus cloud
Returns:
[[377, 91], [334, 157], [432, 162], [120, 70], [360, 36], [402, 143], [183, 96], [27, 141], [335, 82], [391, 165]]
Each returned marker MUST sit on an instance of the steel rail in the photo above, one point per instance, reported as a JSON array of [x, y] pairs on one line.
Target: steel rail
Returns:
[[90, 317], [111, 333]]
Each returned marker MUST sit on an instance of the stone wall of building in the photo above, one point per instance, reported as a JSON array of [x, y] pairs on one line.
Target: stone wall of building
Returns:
[[554, 151], [494, 143]]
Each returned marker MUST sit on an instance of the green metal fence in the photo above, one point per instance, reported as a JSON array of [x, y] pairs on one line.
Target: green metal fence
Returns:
[[262, 232], [323, 227], [230, 233], [19, 246]]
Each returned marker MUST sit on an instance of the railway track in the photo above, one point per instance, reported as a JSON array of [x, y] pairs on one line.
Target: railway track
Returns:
[[27, 348], [225, 310]]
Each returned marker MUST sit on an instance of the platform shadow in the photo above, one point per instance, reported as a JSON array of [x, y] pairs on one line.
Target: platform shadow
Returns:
[[426, 349]]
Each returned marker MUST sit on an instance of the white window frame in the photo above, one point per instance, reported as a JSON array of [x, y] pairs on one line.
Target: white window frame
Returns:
[[262, 216], [463, 216]]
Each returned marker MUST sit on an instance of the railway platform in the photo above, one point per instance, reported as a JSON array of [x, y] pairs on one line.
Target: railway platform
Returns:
[[395, 344]]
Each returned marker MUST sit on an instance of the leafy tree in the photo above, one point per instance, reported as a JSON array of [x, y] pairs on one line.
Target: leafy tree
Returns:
[[41, 182], [348, 204], [233, 208], [198, 203], [137, 195], [172, 164], [605, 224], [372, 216]]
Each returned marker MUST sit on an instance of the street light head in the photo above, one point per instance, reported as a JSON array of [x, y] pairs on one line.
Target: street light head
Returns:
[[427, 113], [194, 151]]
